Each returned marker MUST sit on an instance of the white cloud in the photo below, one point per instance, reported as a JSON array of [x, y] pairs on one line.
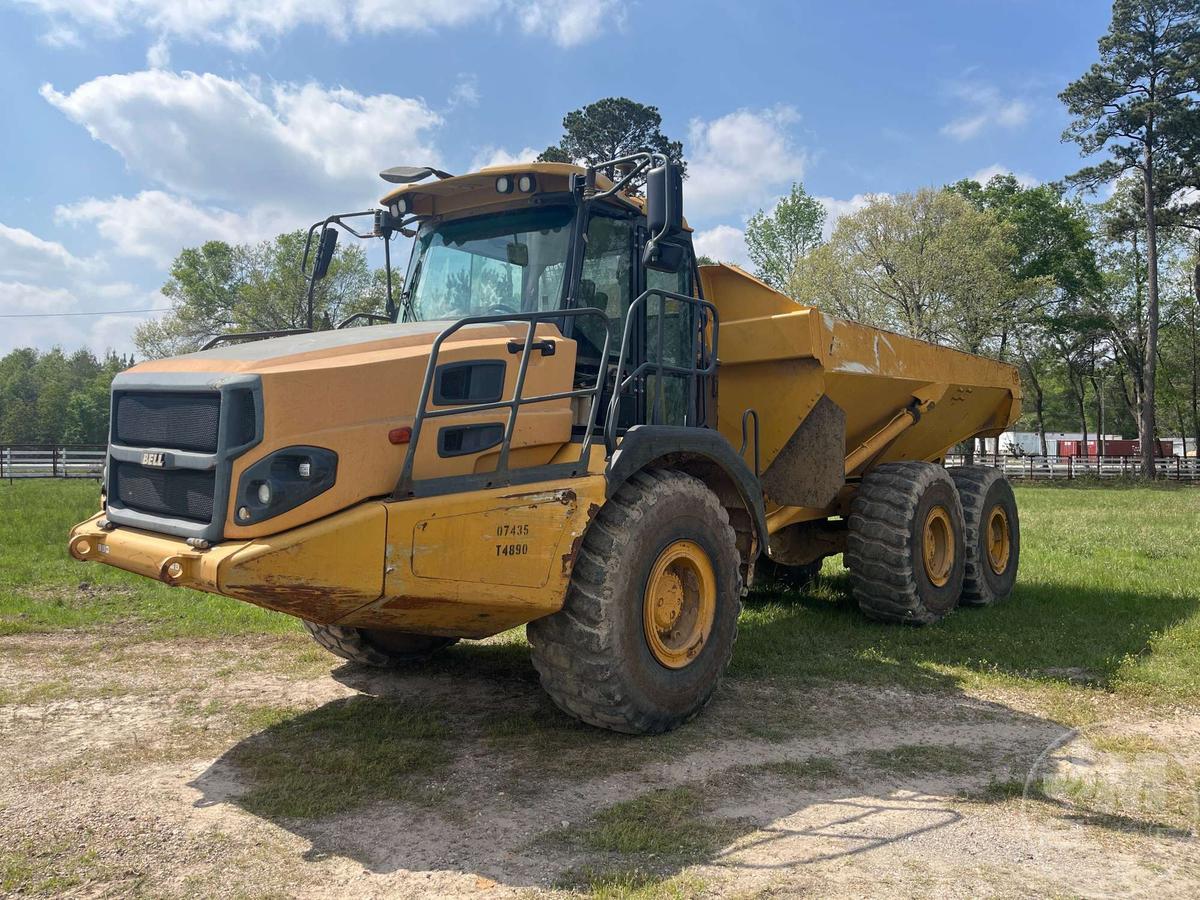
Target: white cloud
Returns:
[[26, 257], [100, 333], [464, 93], [986, 107], [983, 176], [41, 279], [570, 22], [159, 54], [154, 225], [724, 243], [19, 297], [244, 25], [738, 162], [215, 139], [498, 156]]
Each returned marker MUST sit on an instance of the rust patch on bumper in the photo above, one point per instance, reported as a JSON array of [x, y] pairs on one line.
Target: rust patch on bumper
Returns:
[[568, 560]]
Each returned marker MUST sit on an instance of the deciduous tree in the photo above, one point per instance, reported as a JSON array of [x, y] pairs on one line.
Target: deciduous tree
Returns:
[[219, 288], [1139, 103], [776, 240]]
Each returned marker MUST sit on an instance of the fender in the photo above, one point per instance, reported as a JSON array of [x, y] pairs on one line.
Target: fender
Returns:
[[677, 446]]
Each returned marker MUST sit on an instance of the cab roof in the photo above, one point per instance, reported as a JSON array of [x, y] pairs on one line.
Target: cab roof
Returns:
[[478, 189]]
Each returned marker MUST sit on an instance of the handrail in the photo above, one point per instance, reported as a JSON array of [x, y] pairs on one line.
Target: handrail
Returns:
[[376, 317], [254, 336], [693, 371], [405, 484], [750, 413]]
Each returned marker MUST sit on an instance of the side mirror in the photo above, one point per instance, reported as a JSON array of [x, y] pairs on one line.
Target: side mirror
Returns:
[[665, 251], [664, 201], [664, 257], [329, 239]]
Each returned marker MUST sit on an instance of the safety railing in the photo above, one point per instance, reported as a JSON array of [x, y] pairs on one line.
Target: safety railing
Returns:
[[1063, 468], [694, 372], [51, 461], [407, 486]]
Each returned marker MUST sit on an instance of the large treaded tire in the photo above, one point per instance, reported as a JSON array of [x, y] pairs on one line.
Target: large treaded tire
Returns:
[[378, 648], [593, 656], [884, 546], [981, 489]]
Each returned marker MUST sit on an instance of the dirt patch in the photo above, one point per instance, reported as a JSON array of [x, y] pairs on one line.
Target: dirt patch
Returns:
[[160, 785]]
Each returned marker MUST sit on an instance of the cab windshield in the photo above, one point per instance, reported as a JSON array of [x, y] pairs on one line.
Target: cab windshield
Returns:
[[507, 262]]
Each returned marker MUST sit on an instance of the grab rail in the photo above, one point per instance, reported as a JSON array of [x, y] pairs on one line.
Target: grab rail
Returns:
[[406, 486], [693, 372]]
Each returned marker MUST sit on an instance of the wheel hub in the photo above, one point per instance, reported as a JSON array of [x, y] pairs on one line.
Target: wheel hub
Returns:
[[679, 604], [999, 540], [938, 546]]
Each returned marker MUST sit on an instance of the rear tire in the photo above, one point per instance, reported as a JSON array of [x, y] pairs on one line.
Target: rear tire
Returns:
[[993, 534], [905, 544], [376, 647], [650, 616]]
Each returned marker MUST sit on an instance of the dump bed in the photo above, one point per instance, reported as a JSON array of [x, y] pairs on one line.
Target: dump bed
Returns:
[[780, 358]]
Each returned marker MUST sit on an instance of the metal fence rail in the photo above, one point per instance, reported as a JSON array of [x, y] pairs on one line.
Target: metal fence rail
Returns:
[[1032, 468], [51, 461], [87, 461]]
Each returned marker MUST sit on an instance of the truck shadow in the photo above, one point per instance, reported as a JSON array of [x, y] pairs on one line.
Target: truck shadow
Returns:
[[832, 737]]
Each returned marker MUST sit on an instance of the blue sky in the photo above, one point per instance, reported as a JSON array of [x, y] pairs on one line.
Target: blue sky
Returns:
[[137, 127]]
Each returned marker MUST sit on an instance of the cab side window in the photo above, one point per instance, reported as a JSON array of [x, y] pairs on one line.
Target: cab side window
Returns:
[[678, 324], [606, 282]]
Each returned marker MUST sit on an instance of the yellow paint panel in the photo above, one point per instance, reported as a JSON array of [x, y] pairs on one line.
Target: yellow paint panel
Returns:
[[320, 571], [453, 585], [512, 544]]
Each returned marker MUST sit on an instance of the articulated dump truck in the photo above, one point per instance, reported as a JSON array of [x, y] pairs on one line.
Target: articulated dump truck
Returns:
[[561, 422]]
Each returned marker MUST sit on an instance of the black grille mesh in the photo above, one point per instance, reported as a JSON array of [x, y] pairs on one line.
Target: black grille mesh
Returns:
[[180, 421], [180, 493]]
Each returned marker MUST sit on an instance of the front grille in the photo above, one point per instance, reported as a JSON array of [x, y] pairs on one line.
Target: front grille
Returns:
[[179, 493], [182, 421]]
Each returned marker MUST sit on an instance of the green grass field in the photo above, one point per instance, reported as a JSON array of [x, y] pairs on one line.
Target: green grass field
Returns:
[[1108, 599], [1102, 631]]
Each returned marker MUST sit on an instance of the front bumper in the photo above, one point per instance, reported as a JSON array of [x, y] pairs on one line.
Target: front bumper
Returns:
[[460, 565], [320, 572]]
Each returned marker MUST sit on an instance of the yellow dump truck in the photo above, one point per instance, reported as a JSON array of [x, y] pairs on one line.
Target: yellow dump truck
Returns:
[[562, 422]]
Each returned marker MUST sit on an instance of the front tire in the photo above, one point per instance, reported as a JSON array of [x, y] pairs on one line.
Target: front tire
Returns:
[[377, 647], [905, 546], [993, 534], [650, 616]]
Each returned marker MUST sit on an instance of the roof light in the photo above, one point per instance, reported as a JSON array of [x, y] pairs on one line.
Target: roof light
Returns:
[[525, 184], [400, 206], [504, 184]]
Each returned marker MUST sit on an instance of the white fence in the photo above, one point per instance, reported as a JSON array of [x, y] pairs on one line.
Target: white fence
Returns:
[[87, 461], [1171, 468], [71, 461]]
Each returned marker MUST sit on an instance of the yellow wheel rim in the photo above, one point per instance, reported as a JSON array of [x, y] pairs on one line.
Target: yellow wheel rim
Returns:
[[938, 546], [998, 539], [679, 604]]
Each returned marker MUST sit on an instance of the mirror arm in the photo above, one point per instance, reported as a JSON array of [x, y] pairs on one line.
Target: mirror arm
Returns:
[[387, 268]]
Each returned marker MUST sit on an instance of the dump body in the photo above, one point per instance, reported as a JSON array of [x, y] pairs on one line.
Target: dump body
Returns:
[[781, 358]]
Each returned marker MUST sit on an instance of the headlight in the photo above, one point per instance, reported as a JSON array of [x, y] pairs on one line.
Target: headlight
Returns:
[[282, 481]]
